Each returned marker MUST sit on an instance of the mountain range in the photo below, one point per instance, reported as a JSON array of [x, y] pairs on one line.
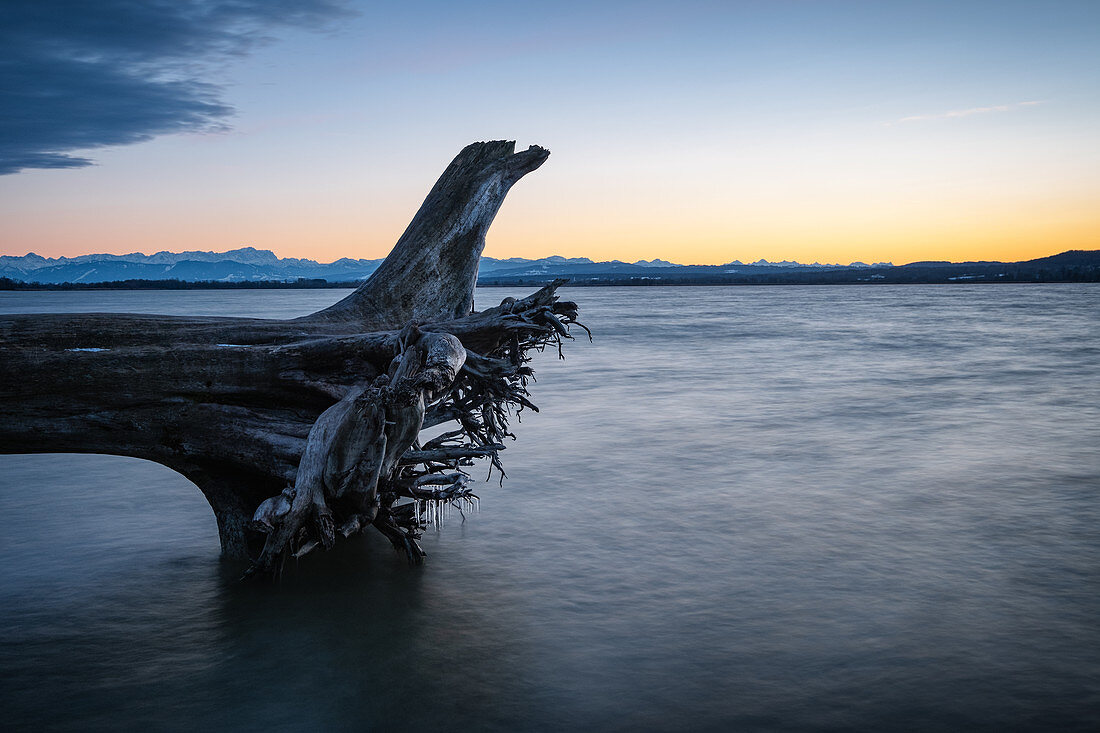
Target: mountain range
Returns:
[[248, 264], [248, 267]]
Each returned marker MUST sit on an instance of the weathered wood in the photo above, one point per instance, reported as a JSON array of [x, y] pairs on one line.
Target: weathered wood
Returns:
[[324, 407], [431, 272]]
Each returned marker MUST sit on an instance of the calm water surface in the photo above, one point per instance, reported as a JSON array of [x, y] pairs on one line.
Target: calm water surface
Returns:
[[787, 508]]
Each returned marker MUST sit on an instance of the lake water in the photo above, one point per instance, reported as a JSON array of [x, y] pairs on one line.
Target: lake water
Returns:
[[744, 508]]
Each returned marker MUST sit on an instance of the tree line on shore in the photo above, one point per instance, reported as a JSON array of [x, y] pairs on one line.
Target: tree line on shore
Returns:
[[894, 276]]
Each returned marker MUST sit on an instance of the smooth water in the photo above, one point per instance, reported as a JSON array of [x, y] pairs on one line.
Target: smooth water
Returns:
[[777, 508]]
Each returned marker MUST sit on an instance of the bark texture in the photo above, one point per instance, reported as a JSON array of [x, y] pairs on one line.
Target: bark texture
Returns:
[[302, 431]]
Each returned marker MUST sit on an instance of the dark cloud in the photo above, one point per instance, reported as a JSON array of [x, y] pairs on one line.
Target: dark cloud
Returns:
[[80, 74]]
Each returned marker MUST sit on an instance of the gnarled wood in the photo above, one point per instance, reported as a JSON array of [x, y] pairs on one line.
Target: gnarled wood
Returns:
[[431, 272], [296, 428]]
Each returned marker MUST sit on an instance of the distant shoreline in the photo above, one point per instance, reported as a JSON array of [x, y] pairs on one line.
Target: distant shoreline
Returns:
[[1072, 266], [165, 285], [1068, 266]]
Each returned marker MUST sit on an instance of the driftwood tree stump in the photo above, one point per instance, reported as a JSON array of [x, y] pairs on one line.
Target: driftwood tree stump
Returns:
[[299, 431]]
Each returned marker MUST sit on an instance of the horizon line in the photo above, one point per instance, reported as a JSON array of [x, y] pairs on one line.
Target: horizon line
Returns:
[[735, 261]]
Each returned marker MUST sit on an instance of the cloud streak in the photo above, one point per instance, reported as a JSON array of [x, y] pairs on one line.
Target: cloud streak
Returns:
[[968, 112], [78, 75]]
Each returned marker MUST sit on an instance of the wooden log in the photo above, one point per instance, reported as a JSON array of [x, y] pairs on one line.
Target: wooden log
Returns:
[[238, 404]]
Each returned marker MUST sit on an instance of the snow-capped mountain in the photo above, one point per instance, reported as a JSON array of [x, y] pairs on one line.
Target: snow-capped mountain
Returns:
[[248, 264], [244, 264], [801, 266]]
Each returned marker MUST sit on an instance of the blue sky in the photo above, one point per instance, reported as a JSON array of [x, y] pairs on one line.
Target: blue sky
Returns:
[[701, 132]]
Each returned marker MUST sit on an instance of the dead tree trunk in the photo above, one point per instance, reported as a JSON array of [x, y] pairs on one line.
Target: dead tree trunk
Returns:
[[298, 431]]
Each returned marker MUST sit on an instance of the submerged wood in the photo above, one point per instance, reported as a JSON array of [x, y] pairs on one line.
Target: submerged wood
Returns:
[[299, 430]]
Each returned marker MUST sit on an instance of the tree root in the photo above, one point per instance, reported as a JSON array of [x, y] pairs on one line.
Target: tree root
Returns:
[[362, 456]]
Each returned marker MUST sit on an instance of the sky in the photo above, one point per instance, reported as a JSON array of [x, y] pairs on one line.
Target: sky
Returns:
[[698, 132]]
